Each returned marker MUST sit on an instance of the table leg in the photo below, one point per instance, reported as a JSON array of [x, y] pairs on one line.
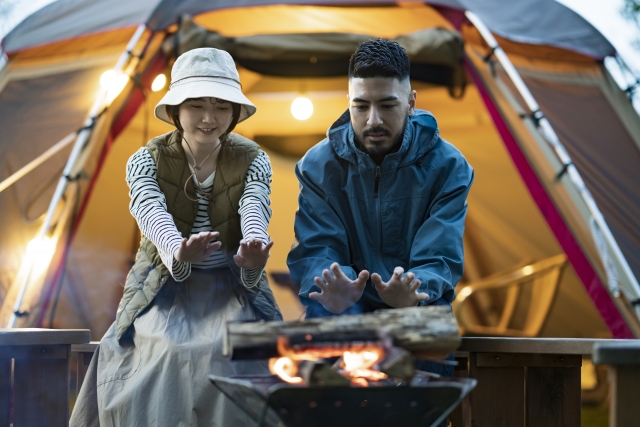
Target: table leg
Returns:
[[41, 389], [624, 382], [498, 399], [5, 392]]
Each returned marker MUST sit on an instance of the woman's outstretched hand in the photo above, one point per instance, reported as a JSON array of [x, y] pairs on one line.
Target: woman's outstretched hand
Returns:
[[252, 253], [198, 248]]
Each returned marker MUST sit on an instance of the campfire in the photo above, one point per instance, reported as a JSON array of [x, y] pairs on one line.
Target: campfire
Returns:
[[356, 369]]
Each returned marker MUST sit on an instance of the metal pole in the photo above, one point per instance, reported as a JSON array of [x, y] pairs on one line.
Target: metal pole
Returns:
[[552, 138], [83, 137]]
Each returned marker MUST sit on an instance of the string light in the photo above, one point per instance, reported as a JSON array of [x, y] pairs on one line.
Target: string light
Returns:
[[159, 82], [302, 108], [113, 82]]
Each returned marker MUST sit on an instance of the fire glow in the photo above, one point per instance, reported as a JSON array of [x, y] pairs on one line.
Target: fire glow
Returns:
[[356, 364]]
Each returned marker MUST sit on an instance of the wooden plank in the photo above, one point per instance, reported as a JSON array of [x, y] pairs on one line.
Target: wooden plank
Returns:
[[5, 392], [625, 389], [553, 397], [35, 336], [498, 399], [33, 352], [41, 392], [533, 345], [89, 347], [617, 353], [531, 360]]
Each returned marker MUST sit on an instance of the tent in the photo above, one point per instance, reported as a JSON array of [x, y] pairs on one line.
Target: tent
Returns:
[[519, 87]]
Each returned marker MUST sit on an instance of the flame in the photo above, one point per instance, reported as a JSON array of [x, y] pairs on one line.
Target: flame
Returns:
[[285, 368], [357, 360]]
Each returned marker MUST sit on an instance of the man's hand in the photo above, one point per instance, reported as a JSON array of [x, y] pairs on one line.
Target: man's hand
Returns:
[[399, 292], [198, 247], [252, 254], [338, 291]]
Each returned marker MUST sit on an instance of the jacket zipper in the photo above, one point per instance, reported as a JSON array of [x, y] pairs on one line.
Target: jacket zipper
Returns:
[[377, 183]]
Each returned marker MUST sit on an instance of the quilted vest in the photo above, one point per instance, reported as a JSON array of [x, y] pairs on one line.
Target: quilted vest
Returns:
[[148, 274]]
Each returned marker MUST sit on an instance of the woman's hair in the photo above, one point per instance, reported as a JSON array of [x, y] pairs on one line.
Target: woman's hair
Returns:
[[172, 112], [379, 58]]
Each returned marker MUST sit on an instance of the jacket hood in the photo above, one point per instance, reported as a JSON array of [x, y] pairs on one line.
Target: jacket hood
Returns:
[[420, 136]]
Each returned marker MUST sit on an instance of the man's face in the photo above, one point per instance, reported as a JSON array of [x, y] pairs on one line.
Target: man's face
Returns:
[[379, 107]]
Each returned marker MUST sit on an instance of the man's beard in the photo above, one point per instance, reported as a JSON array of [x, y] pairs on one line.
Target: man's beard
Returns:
[[378, 152]]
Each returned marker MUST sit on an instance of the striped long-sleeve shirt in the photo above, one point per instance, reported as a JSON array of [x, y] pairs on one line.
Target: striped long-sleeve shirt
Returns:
[[149, 207]]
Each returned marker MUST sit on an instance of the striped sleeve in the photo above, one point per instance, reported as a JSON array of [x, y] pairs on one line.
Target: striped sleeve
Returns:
[[149, 207], [255, 209]]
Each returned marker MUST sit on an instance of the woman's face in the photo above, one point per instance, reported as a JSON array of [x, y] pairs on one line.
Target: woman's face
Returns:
[[204, 120]]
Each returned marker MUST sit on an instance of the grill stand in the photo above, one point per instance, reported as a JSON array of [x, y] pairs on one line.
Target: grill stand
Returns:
[[272, 403]]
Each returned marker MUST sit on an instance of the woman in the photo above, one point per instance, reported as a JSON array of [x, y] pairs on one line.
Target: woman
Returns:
[[200, 195]]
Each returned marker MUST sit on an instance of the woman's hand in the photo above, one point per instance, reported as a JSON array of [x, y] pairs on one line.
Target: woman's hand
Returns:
[[198, 248], [252, 253]]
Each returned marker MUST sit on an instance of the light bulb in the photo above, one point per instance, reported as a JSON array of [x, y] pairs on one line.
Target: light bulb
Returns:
[[159, 82], [302, 108], [113, 82], [40, 251]]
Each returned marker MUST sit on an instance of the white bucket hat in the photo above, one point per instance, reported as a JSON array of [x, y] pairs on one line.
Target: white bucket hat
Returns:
[[204, 72]]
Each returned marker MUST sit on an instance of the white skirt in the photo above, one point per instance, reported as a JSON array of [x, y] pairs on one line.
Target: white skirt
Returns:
[[159, 375]]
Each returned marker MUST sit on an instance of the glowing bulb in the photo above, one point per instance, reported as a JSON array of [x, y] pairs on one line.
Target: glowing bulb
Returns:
[[159, 82], [113, 82], [107, 78], [302, 108], [41, 250]]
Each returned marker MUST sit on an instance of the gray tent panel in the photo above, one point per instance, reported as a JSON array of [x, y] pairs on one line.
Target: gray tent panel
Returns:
[[36, 113], [530, 21], [603, 151]]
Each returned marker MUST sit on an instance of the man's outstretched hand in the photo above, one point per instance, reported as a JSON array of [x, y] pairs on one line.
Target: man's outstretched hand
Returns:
[[252, 253], [399, 292], [198, 248], [338, 291]]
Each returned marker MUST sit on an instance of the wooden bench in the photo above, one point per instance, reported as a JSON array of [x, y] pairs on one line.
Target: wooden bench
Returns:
[[522, 381], [34, 375], [623, 359]]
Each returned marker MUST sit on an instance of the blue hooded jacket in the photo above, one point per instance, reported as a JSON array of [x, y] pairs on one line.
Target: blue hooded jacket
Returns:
[[409, 211]]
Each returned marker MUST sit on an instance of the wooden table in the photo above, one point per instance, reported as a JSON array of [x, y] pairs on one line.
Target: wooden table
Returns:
[[522, 381], [40, 391], [623, 359]]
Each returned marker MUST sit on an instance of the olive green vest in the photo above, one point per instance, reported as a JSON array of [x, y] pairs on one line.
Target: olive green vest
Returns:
[[148, 274]]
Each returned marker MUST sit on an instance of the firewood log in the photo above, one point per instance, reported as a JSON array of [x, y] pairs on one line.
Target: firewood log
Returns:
[[426, 332]]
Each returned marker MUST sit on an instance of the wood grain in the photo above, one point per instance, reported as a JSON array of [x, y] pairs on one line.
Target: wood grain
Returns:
[[498, 400], [5, 392], [41, 392], [553, 397]]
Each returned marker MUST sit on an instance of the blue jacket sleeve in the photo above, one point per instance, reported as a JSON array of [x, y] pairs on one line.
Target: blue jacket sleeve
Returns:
[[437, 254], [320, 238]]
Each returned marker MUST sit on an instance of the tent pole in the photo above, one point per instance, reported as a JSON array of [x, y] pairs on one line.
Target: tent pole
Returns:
[[552, 138], [72, 163]]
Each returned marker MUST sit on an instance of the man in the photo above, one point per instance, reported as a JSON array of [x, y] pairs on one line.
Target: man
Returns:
[[382, 199]]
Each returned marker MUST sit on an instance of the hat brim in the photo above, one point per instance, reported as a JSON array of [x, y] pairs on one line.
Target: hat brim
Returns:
[[204, 88]]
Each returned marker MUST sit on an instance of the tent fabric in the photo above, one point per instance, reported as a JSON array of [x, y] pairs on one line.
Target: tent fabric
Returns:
[[586, 123], [530, 21], [505, 229], [435, 53], [36, 113]]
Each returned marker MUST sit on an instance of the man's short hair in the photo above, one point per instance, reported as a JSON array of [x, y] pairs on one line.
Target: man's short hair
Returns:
[[379, 58]]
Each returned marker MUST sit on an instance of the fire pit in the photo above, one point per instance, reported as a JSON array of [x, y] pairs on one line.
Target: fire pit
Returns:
[[372, 382]]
